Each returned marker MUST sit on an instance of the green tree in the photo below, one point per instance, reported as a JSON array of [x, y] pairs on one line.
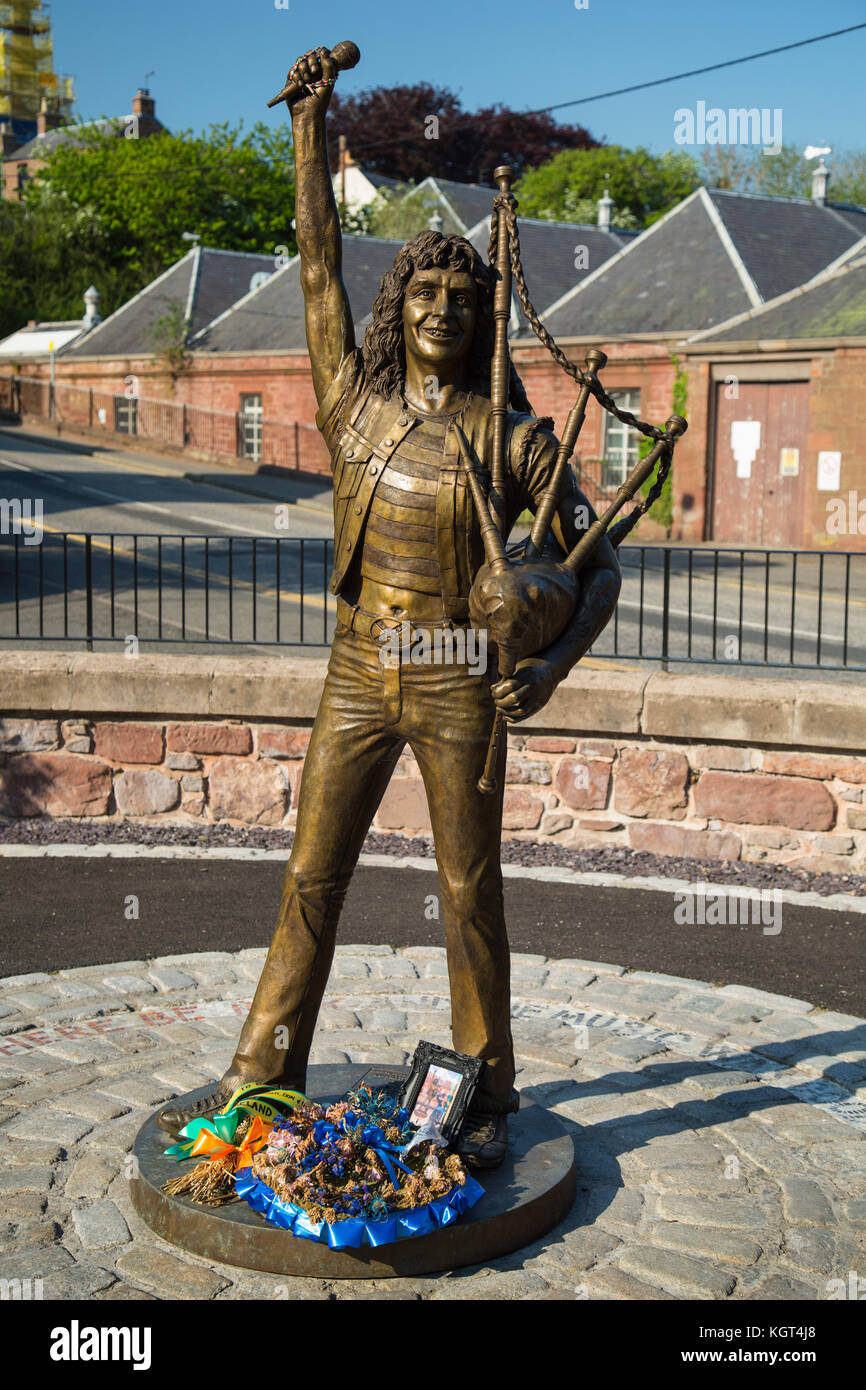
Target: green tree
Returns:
[[169, 339], [662, 509], [585, 212], [49, 255], [747, 169], [643, 186], [848, 177], [232, 187], [402, 211], [786, 174]]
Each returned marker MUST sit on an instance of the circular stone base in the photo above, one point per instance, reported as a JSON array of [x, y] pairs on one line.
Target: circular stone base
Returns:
[[527, 1195]]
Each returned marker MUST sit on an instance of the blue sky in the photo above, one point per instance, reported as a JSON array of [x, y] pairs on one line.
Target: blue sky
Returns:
[[220, 60]]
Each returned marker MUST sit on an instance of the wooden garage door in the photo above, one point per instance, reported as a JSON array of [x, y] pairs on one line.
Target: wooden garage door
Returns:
[[766, 506]]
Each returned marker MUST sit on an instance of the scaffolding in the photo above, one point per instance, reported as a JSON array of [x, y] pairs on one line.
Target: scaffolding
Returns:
[[27, 76]]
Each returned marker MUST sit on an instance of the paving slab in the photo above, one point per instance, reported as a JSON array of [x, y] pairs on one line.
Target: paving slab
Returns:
[[722, 1166]]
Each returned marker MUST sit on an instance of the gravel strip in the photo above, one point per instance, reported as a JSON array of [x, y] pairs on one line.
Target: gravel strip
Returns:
[[628, 863]]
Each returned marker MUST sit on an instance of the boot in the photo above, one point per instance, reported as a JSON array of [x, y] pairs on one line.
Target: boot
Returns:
[[483, 1138], [173, 1118], [483, 1141]]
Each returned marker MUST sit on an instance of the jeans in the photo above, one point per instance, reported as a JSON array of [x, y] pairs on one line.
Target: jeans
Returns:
[[368, 713]]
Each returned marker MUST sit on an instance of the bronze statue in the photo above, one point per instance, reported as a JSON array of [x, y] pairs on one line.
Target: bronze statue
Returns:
[[411, 428]]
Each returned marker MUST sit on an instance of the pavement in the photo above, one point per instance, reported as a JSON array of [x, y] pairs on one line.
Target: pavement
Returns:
[[720, 1130]]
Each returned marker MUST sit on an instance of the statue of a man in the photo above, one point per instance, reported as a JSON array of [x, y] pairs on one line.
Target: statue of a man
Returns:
[[407, 546]]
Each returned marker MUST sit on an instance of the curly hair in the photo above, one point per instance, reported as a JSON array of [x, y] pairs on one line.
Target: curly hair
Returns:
[[384, 350]]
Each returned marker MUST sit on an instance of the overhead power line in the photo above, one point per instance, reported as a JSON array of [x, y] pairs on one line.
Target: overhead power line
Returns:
[[639, 86], [694, 72]]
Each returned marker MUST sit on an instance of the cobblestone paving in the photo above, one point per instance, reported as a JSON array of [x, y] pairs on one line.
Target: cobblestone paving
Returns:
[[720, 1132]]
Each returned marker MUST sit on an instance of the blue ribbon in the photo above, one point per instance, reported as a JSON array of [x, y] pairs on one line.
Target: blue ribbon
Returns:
[[371, 1136], [382, 1232], [350, 1234], [264, 1200]]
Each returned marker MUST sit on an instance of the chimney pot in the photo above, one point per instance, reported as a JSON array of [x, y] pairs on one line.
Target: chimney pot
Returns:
[[605, 208], [91, 307], [820, 180]]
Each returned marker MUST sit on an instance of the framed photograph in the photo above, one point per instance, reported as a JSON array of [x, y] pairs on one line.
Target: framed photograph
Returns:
[[441, 1087]]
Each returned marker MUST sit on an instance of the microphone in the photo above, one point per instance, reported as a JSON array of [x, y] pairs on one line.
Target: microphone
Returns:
[[345, 55]]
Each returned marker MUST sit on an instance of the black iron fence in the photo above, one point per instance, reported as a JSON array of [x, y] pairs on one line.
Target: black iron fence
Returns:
[[699, 605]]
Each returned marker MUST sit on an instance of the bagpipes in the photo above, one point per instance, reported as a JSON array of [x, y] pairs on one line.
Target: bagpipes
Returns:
[[525, 602]]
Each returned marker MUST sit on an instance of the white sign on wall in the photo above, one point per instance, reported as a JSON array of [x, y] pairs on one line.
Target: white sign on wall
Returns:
[[829, 470], [745, 443]]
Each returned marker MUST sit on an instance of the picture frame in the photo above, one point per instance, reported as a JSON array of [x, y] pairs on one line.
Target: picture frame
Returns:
[[441, 1086]]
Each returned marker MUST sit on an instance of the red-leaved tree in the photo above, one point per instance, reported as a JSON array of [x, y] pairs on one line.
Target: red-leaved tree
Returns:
[[410, 132]]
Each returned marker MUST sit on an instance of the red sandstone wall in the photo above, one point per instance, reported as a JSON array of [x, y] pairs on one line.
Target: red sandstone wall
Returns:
[[687, 799]]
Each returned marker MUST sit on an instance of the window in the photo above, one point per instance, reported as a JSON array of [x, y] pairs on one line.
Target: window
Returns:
[[23, 175], [126, 414], [251, 427], [620, 443]]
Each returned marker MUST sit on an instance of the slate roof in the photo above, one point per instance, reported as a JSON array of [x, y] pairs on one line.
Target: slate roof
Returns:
[[272, 317], [715, 255], [461, 205], [833, 306], [548, 251], [786, 241], [464, 205], [675, 276], [205, 281], [77, 134]]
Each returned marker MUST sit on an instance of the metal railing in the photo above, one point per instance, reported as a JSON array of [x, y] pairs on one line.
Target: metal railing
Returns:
[[175, 424], [735, 607]]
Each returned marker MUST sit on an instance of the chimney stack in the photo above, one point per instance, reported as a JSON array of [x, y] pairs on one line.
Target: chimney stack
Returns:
[[820, 180], [143, 117], [143, 103], [47, 119], [435, 224], [605, 208]]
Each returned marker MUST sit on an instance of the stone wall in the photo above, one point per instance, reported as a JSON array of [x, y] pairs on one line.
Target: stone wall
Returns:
[[697, 766]]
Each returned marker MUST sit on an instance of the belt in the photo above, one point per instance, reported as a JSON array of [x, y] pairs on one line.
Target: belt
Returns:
[[373, 625]]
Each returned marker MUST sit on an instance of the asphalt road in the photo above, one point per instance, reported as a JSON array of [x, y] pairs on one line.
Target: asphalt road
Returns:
[[227, 583], [222, 585], [58, 913], [98, 490]]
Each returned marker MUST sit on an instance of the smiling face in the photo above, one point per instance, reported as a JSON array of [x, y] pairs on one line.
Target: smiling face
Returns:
[[439, 313]]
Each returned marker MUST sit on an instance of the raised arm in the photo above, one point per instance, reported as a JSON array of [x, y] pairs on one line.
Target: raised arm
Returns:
[[330, 334]]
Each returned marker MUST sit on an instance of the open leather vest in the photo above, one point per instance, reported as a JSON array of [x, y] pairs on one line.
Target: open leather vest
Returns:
[[373, 431]]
